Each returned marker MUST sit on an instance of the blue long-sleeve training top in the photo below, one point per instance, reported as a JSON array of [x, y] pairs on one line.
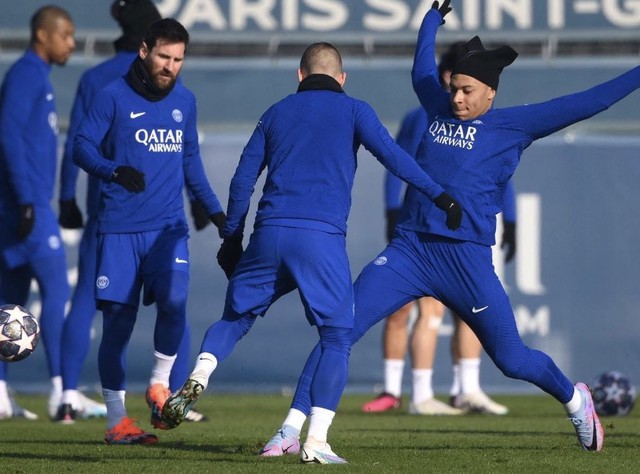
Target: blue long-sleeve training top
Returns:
[[28, 134], [308, 143], [409, 136], [159, 139], [473, 160]]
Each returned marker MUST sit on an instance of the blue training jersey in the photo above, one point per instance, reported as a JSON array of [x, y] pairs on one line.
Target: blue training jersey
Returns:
[[159, 139], [308, 143], [409, 137], [473, 160], [28, 134], [90, 84]]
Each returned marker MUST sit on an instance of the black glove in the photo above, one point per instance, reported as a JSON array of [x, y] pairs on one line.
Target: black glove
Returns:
[[70, 214], [229, 254], [199, 214], [392, 218], [219, 220], [129, 178], [509, 240], [444, 9], [27, 216], [452, 208]]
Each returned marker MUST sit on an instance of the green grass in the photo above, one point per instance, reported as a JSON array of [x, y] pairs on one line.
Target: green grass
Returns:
[[534, 437]]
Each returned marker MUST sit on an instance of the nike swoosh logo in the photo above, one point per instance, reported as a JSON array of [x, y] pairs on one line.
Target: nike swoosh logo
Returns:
[[179, 260], [134, 115], [477, 310]]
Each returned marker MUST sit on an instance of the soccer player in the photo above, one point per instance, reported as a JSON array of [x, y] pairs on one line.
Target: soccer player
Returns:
[[30, 244], [308, 143], [133, 17], [139, 137], [465, 347], [473, 149], [466, 393]]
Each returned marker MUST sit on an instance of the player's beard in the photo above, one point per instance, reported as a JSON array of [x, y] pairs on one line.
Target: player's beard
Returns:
[[163, 82]]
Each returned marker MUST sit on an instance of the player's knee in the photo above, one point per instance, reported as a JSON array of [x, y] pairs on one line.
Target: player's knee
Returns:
[[336, 339], [512, 367], [173, 300]]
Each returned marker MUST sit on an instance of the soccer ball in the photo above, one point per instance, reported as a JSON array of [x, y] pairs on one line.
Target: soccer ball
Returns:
[[19, 333], [613, 394]]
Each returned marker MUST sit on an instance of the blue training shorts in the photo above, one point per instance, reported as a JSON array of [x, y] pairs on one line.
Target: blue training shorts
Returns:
[[126, 262], [280, 259]]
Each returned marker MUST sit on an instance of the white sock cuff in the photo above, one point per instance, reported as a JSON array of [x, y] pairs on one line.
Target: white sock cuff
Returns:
[[160, 355], [206, 363], [56, 383], [469, 363], [295, 418], [397, 364], [323, 413], [575, 403]]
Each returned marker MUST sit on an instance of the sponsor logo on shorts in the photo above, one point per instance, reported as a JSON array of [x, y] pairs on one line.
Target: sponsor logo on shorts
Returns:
[[478, 310], [102, 282], [382, 260]]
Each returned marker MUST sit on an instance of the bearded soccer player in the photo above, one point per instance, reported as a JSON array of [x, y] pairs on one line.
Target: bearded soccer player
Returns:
[[139, 137], [30, 244]]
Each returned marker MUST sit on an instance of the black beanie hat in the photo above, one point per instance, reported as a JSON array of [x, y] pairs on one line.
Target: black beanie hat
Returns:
[[483, 64], [450, 57], [134, 16]]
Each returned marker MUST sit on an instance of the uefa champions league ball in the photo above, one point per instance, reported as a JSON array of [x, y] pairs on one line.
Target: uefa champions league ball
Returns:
[[613, 394], [19, 333]]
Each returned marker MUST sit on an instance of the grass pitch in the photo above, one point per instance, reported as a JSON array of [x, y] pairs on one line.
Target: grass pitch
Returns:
[[534, 437]]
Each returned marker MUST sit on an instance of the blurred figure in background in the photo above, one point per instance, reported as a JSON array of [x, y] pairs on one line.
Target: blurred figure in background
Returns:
[[30, 243]]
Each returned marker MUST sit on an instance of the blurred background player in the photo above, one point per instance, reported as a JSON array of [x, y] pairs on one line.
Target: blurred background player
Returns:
[[30, 243], [133, 17], [466, 394], [142, 239]]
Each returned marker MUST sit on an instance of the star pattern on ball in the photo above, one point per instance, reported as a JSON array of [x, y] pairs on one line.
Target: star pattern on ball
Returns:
[[25, 343], [15, 314]]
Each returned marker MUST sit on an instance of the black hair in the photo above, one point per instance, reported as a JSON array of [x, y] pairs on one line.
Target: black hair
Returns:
[[320, 57], [167, 29], [45, 14]]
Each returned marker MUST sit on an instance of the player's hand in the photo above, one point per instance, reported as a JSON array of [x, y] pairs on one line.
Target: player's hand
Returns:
[[219, 219], [129, 178], [199, 214], [70, 215], [452, 208], [229, 254], [26, 220], [392, 218], [444, 9], [509, 240]]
